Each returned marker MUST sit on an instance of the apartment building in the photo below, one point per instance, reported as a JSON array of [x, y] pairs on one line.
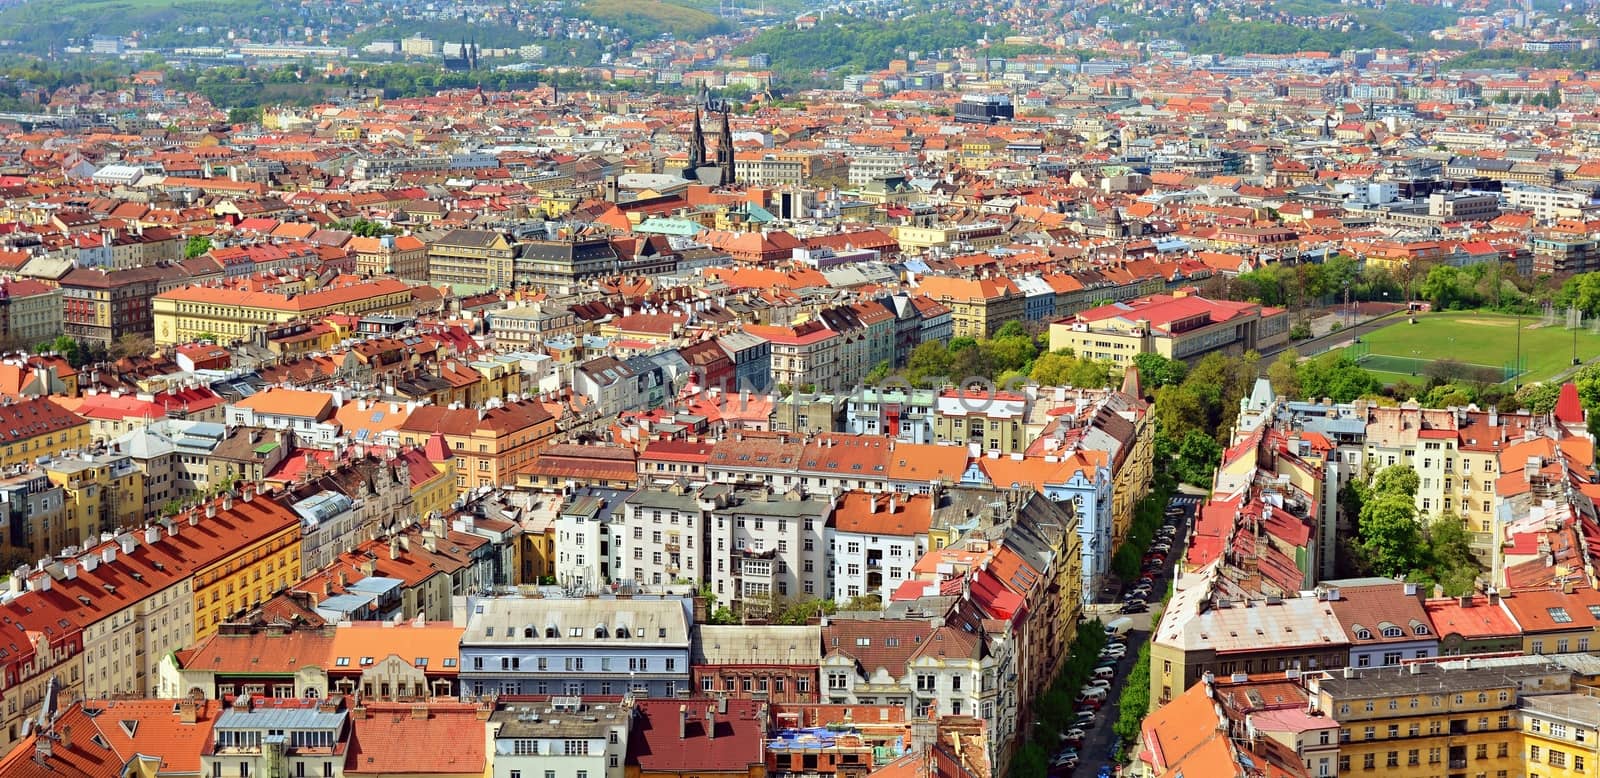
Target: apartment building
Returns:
[[1428, 720], [472, 259], [770, 662], [576, 647], [978, 307], [876, 539], [561, 738], [490, 445]]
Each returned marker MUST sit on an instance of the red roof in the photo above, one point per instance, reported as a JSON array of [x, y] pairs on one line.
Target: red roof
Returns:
[[391, 739], [656, 744]]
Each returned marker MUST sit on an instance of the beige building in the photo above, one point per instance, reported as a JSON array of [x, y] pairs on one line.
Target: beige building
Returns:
[[978, 307], [474, 258]]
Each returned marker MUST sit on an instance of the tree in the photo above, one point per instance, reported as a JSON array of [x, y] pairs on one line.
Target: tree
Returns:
[[1180, 411], [1451, 562], [1284, 373], [1197, 458], [928, 360], [132, 344], [196, 245], [1390, 536], [1338, 376], [1395, 479], [722, 615], [1156, 371], [1009, 352], [67, 347], [1053, 369], [244, 115]]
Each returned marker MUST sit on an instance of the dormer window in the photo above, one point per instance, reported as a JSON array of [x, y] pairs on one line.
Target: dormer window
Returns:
[[550, 632], [1362, 634], [622, 632], [1392, 632], [600, 631]]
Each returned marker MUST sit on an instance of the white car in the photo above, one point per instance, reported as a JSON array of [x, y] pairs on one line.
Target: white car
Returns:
[[1114, 651], [1101, 683]]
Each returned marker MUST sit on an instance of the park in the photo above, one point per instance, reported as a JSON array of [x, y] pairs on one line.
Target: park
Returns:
[[1484, 346]]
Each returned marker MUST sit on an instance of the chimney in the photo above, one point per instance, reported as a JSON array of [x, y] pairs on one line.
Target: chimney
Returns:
[[1494, 596], [188, 711], [419, 712], [394, 548], [711, 722], [683, 722]]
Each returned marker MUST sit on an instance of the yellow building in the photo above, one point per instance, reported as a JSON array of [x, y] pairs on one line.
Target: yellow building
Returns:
[[187, 313], [978, 307], [1427, 722], [1561, 735], [1176, 326], [433, 478], [102, 492], [488, 448], [253, 549], [38, 427], [993, 420]]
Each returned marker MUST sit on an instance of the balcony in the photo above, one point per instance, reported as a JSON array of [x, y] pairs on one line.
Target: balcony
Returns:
[[1458, 764], [673, 547]]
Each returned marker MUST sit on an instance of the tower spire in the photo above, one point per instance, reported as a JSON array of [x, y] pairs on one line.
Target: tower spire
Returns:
[[697, 148], [725, 147]]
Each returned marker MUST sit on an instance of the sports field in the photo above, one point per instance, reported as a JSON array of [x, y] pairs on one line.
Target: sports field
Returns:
[[1485, 342]]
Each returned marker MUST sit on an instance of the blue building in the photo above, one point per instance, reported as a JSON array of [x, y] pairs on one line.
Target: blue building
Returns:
[[576, 647]]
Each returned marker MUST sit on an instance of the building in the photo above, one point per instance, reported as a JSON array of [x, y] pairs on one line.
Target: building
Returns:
[[472, 259], [38, 427], [246, 551], [774, 663], [978, 307], [266, 736], [100, 307], [719, 738], [876, 540], [490, 446], [228, 315], [1197, 636], [403, 256], [30, 312], [1429, 719], [564, 266], [561, 738], [576, 647], [1558, 733], [1181, 325]]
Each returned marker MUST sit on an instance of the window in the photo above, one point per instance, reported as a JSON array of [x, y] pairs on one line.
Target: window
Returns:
[[1369, 761], [1393, 759], [575, 747], [1577, 762], [1344, 763], [1533, 753], [1558, 729], [1557, 759]]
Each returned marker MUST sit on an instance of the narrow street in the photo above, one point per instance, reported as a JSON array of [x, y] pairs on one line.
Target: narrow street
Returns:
[[1096, 750]]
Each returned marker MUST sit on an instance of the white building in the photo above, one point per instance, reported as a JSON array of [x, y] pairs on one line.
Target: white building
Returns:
[[876, 539], [583, 531], [565, 737]]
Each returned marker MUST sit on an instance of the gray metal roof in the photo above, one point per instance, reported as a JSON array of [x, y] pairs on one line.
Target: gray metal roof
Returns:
[[280, 718]]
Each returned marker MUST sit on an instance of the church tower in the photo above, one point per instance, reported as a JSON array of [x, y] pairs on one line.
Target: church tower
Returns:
[[725, 148]]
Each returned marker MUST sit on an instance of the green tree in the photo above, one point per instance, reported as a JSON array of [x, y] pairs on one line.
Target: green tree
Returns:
[[1156, 371], [1284, 373], [1197, 458], [1395, 479], [66, 346], [1338, 376], [1451, 562], [928, 360], [1053, 369], [1389, 534], [722, 615], [196, 245], [1179, 410]]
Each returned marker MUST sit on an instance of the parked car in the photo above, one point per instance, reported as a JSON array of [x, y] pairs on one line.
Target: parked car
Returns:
[[1074, 734], [1115, 652], [1135, 606], [1098, 683]]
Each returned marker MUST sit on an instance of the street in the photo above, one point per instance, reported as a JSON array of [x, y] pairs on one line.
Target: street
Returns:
[[1097, 744]]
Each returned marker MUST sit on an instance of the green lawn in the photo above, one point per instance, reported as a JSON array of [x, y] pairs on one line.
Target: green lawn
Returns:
[[1479, 338]]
